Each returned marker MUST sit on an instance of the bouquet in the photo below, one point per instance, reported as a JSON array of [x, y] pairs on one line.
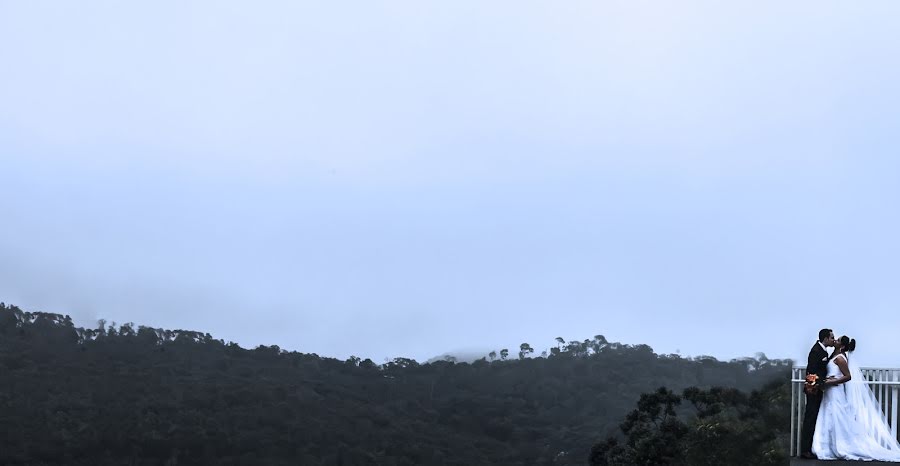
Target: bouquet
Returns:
[[813, 384]]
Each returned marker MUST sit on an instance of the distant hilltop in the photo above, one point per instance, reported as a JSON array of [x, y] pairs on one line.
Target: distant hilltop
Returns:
[[468, 356]]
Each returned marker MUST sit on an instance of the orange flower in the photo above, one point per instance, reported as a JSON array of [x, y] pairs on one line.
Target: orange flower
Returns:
[[811, 384]]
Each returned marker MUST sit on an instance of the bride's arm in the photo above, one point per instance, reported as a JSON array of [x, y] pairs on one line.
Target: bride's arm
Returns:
[[842, 365]]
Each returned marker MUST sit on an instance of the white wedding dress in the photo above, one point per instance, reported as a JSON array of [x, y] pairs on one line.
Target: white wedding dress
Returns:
[[850, 425]]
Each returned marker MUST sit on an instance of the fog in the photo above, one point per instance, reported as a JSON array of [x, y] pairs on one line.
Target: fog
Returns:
[[407, 178]]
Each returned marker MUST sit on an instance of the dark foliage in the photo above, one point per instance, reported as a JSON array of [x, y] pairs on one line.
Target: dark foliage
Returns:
[[725, 427], [145, 396]]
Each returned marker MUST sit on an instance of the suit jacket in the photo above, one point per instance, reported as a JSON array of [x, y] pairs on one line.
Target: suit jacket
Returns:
[[817, 363]]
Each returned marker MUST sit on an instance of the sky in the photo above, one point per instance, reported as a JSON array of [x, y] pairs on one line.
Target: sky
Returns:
[[407, 178]]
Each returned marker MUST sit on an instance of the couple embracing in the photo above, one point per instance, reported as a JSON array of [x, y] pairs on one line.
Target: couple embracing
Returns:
[[843, 419]]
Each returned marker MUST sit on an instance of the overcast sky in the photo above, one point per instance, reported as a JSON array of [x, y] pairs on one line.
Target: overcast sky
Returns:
[[406, 178]]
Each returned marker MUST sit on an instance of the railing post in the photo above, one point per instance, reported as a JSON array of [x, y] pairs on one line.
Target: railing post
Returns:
[[894, 389], [801, 408], [798, 406], [794, 402]]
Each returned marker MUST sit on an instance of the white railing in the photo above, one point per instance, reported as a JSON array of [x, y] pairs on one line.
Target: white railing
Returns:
[[884, 382]]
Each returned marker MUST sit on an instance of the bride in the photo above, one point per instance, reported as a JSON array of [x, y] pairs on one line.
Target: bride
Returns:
[[851, 425]]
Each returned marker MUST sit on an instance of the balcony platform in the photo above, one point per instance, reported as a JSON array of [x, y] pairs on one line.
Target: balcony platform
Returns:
[[802, 462]]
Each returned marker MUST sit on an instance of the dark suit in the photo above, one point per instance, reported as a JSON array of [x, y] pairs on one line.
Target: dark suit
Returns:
[[817, 363]]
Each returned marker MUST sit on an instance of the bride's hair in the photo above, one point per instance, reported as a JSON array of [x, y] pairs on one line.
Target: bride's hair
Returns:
[[848, 344]]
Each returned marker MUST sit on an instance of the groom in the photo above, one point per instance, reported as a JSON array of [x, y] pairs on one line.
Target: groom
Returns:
[[817, 363]]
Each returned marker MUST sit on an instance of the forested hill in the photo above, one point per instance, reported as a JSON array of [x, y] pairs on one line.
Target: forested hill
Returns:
[[143, 396]]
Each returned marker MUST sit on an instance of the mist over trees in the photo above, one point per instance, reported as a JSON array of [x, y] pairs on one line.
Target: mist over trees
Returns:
[[131, 394]]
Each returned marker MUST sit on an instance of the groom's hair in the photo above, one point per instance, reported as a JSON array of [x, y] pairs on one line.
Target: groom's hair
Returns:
[[824, 333]]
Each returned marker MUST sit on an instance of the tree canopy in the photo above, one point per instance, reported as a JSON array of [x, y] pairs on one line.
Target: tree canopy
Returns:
[[131, 394]]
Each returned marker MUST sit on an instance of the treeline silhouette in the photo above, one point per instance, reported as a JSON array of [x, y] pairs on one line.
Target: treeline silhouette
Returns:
[[117, 395]]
